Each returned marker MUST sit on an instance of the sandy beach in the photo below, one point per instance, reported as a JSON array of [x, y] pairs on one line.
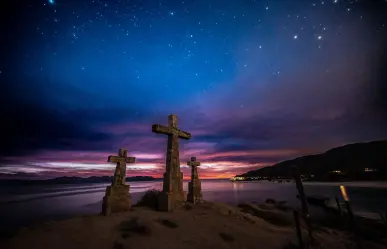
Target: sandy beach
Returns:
[[207, 225]]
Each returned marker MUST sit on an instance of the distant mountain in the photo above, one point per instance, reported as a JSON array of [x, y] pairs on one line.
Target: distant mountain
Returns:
[[359, 161], [74, 179]]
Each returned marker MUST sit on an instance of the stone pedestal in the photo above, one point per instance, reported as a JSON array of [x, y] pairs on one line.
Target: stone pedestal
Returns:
[[195, 192], [169, 200], [165, 202], [116, 199]]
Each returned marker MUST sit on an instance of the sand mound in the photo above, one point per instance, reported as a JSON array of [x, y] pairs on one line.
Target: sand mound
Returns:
[[208, 225]]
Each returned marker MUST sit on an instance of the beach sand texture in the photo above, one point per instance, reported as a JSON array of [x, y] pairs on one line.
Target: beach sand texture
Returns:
[[207, 225]]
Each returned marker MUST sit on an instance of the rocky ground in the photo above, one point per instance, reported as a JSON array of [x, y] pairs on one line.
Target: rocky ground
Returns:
[[207, 225]]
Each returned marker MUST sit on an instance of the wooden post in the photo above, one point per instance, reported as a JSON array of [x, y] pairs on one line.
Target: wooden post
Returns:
[[384, 218], [350, 215], [298, 229], [338, 206], [304, 202]]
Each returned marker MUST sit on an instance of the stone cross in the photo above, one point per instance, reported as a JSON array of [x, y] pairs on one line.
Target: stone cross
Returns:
[[173, 179], [117, 197], [122, 159], [194, 186]]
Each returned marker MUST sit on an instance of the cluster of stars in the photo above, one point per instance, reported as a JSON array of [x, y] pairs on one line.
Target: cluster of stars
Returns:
[[185, 33], [272, 63]]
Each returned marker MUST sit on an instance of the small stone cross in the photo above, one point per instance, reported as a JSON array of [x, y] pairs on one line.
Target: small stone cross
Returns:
[[194, 164], [194, 186]]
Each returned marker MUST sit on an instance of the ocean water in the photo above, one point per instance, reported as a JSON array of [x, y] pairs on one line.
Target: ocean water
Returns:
[[25, 205]]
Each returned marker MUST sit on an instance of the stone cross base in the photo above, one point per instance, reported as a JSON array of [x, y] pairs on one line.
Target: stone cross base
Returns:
[[169, 201], [116, 199], [195, 192]]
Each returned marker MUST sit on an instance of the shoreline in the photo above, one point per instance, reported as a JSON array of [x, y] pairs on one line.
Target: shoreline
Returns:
[[87, 202], [209, 225], [370, 184]]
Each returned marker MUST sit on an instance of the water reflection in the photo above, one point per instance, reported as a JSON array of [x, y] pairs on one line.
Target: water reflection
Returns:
[[235, 190]]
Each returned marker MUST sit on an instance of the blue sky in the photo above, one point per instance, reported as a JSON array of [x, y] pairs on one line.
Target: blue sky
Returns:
[[255, 82]]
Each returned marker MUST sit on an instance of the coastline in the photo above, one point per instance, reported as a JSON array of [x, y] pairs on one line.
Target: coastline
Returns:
[[207, 225], [354, 183]]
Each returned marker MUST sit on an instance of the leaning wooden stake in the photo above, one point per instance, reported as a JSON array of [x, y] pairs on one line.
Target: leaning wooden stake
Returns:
[[304, 203], [384, 218], [350, 215], [338, 206], [298, 229]]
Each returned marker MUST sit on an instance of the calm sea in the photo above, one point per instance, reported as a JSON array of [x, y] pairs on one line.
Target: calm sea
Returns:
[[24, 205]]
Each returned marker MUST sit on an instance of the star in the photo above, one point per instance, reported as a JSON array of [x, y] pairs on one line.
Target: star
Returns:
[[319, 37], [51, 1], [295, 37]]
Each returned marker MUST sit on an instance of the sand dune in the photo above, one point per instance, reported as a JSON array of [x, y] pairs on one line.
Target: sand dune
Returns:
[[208, 225]]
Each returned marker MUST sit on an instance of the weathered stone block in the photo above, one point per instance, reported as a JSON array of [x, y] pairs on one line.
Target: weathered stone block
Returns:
[[116, 199], [195, 194], [180, 196], [169, 201], [165, 202]]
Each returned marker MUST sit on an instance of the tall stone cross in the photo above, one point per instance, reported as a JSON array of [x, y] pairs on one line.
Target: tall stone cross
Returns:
[[173, 179], [194, 186], [122, 159], [117, 197]]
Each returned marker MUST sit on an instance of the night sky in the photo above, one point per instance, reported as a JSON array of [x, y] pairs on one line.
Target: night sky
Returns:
[[255, 82]]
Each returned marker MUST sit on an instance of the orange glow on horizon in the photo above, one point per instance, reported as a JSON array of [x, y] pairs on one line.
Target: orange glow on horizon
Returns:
[[47, 163]]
